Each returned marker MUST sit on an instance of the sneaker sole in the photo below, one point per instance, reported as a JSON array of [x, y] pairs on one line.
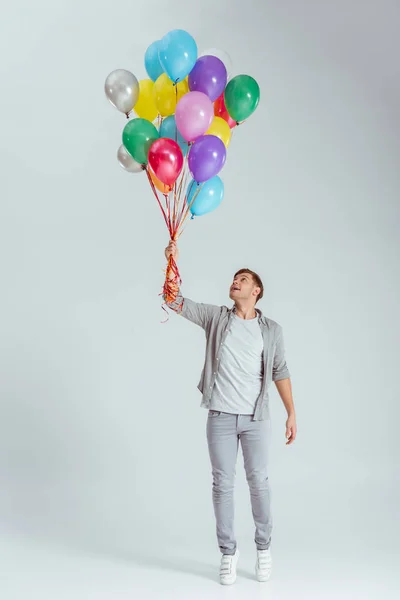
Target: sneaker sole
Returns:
[[230, 582], [263, 579]]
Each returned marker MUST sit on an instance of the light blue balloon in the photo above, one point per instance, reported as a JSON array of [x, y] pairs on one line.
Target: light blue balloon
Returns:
[[178, 54], [152, 61], [209, 196], [168, 129]]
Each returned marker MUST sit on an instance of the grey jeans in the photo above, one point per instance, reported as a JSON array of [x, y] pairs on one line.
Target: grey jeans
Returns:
[[224, 430]]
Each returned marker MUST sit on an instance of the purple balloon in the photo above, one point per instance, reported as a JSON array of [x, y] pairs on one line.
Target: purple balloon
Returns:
[[206, 157], [208, 76]]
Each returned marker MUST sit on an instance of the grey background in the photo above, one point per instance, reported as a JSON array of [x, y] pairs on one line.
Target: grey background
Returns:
[[104, 473]]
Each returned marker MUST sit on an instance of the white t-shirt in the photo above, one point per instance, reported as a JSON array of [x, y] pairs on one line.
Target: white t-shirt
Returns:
[[239, 378]]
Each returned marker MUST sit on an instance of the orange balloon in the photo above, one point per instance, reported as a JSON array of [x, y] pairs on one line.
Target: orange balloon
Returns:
[[162, 187]]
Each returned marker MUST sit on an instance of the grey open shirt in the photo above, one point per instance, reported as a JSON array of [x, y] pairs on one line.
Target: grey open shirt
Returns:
[[215, 321]]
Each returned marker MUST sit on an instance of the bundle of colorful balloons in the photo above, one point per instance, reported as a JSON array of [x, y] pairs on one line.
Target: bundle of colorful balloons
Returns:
[[181, 127]]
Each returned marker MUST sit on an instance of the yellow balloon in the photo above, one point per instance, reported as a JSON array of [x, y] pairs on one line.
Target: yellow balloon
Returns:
[[145, 107], [167, 95], [220, 128]]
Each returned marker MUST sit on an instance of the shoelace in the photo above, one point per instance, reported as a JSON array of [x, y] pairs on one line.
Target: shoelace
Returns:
[[226, 564]]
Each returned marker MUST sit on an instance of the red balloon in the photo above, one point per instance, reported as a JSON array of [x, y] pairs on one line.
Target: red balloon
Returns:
[[220, 111], [166, 160]]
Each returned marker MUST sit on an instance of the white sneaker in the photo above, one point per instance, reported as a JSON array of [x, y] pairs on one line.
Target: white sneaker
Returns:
[[227, 571], [263, 565]]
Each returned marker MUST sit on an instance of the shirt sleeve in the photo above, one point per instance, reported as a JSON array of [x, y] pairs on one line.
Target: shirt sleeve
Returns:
[[196, 312], [280, 369]]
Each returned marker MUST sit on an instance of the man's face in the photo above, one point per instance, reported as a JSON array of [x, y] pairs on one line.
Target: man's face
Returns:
[[243, 288]]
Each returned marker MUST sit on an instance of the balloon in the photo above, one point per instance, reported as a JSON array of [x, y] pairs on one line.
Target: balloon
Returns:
[[242, 95], [152, 61], [193, 115], [221, 129], [167, 95], [127, 162], [220, 111], [178, 54], [208, 76], [164, 189], [166, 160], [168, 129], [122, 90], [206, 157], [145, 107], [223, 56], [137, 137], [205, 198]]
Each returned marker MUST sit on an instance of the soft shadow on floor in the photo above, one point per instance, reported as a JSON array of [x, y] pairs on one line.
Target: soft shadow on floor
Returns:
[[246, 574], [176, 564]]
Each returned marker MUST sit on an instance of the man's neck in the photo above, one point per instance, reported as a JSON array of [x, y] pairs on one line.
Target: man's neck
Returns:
[[245, 312]]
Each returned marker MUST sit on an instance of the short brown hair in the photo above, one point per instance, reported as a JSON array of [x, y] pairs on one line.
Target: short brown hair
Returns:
[[256, 279]]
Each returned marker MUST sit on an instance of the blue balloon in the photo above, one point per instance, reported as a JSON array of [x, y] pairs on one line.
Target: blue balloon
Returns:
[[168, 129], [178, 54], [208, 196], [152, 61]]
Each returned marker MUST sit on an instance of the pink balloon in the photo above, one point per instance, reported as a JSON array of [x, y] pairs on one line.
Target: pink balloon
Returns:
[[193, 115]]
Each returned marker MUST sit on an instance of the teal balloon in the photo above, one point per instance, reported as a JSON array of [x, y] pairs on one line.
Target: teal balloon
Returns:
[[178, 54], [168, 129], [207, 196], [152, 61]]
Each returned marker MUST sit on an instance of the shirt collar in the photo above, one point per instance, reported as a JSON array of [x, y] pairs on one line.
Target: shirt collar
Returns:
[[261, 318]]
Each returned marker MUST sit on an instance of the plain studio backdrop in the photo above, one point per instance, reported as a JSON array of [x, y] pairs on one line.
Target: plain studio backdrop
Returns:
[[105, 482]]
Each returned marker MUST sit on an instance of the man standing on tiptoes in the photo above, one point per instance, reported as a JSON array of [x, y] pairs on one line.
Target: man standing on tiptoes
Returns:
[[244, 353]]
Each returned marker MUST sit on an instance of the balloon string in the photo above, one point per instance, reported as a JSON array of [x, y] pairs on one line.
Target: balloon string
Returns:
[[175, 215], [188, 209], [182, 176], [178, 194], [185, 213], [153, 187], [175, 199], [173, 280], [168, 212]]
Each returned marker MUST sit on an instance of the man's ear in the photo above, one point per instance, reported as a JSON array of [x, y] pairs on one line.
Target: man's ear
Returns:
[[256, 291]]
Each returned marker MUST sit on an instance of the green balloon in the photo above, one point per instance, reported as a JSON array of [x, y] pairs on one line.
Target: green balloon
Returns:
[[242, 95], [137, 137]]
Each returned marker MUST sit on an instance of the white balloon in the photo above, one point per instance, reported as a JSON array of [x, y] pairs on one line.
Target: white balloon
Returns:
[[222, 55], [122, 90], [127, 162]]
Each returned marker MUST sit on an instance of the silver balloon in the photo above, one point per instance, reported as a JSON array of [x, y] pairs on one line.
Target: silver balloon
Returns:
[[222, 55], [127, 162], [122, 90]]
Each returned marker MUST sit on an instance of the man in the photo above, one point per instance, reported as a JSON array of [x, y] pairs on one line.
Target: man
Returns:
[[245, 352]]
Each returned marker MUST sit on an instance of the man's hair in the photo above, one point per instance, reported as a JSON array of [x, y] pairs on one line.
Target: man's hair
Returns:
[[256, 279]]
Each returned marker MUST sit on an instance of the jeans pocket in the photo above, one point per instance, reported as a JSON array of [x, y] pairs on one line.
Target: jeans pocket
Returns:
[[214, 413]]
